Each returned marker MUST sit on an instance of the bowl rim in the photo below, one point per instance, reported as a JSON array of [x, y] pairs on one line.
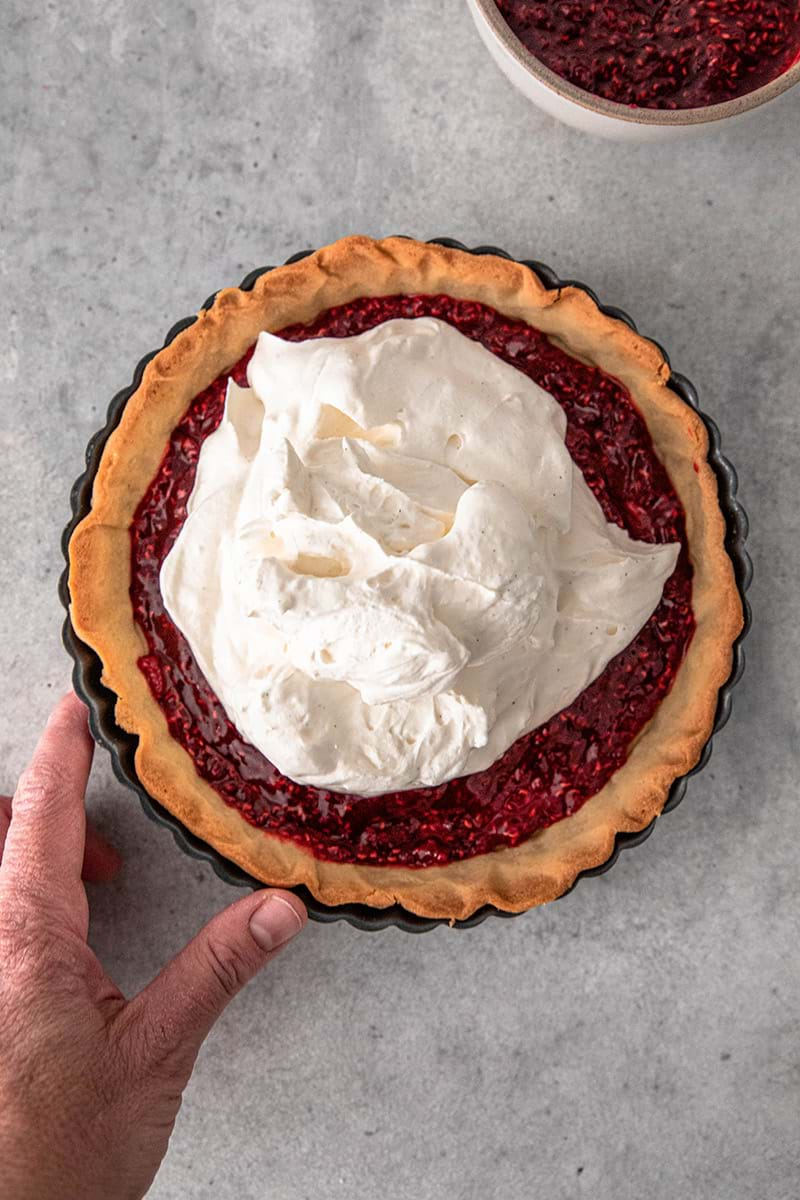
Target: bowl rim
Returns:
[[664, 118], [101, 701]]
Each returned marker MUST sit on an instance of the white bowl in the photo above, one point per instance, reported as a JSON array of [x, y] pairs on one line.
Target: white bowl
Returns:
[[593, 114]]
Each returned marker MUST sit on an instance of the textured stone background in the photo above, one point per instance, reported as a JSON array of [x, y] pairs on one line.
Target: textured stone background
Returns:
[[642, 1037]]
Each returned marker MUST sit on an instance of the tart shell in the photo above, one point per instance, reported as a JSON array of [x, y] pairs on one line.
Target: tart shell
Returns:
[[510, 879]]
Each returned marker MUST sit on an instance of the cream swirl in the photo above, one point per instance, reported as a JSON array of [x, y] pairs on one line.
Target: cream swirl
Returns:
[[391, 567]]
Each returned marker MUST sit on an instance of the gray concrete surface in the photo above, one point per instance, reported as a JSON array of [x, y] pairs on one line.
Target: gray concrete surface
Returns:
[[642, 1037]]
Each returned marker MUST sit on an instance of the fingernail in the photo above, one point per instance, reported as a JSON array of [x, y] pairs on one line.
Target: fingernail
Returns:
[[274, 922], [64, 698]]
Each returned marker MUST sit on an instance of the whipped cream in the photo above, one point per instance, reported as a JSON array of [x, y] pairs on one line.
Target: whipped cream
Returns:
[[391, 568]]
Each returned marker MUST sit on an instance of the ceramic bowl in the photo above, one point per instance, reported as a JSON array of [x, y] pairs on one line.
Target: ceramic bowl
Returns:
[[593, 114]]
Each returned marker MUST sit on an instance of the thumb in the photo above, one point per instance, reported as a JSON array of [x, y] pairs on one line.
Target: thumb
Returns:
[[178, 1009]]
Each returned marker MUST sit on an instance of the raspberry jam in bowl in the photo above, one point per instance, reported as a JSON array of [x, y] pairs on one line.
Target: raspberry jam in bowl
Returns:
[[644, 70]]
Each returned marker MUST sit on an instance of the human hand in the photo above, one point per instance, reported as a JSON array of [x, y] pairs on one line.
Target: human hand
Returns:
[[91, 1083]]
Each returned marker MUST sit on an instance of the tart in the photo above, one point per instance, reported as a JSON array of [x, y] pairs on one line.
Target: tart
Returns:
[[513, 832]]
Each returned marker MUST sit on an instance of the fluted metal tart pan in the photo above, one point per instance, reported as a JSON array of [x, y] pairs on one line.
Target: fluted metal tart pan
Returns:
[[122, 745]]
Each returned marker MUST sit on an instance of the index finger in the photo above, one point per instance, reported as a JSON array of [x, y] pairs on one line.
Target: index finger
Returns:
[[45, 840]]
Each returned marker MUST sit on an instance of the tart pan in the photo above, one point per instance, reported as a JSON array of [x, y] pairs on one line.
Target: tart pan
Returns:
[[122, 745]]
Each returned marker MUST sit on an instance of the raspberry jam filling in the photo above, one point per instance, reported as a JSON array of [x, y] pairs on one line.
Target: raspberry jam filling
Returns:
[[544, 776], [667, 54]]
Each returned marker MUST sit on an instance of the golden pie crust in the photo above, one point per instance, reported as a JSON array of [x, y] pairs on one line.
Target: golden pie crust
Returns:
[[545, 865]]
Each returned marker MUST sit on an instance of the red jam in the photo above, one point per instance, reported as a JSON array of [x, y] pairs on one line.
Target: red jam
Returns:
[[544, 776], [667, 54]]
